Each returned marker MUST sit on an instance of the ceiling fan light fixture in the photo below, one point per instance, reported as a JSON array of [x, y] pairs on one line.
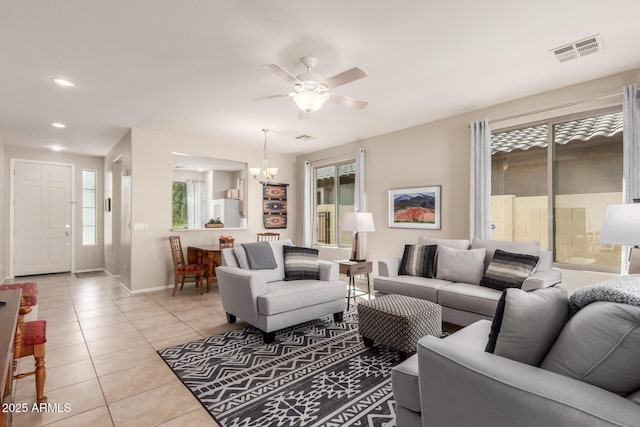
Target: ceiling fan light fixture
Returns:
[[309, 100]]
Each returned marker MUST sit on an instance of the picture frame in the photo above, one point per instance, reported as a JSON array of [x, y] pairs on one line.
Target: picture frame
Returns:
[[416, 207]]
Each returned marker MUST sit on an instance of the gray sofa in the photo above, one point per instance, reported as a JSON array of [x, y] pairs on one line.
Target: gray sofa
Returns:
[[587, 377], [265, 300], [462, 303]]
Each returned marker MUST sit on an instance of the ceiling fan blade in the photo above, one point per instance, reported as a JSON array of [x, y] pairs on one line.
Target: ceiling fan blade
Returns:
[[261, 98], [348, 101], [281, 72], [345, 77]]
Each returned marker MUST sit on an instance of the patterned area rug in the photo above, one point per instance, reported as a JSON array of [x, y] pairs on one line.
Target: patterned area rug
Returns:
[[315, 374]]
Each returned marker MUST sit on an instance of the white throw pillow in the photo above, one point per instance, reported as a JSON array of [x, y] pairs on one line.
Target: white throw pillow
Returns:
[[526, 324], [457, 265]]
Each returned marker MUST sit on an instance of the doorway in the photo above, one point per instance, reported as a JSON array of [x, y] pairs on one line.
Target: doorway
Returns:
[[41, 217]]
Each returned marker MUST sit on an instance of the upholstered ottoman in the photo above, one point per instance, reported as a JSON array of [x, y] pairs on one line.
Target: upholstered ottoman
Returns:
[[398, 321]]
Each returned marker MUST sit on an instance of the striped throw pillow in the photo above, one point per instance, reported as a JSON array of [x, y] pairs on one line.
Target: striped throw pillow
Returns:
[[301, 263], [508, 270], [418, 260]]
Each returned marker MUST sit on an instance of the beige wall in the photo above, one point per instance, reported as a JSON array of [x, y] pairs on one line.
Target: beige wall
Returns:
[[4, 215], [85, 257], [151, 178], [437, 153], [117, 238]]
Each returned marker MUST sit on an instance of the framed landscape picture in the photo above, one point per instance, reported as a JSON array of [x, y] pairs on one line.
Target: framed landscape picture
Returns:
[[417, 207]]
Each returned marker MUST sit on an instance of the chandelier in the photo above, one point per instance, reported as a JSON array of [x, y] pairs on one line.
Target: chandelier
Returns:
[[266, 174]]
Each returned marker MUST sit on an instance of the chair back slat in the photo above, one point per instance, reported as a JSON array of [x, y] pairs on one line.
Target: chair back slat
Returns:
[[268, 237], [176, 252]]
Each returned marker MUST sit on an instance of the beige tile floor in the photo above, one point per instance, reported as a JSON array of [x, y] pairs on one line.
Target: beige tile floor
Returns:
[[101, 353]]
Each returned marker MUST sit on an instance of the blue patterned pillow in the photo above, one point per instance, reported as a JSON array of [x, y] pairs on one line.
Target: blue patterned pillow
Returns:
[[301, 263]]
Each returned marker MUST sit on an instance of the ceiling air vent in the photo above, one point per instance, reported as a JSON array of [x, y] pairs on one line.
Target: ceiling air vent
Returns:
[[304, 137], [580, 48]]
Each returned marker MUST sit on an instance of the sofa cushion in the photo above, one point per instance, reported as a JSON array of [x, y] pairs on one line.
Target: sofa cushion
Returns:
[[458, 265], [527, 248], [450, 243], [418, 260], [283, 296], [417, 287], [599, 345], [301, 263], [526, 324], [508, 270], [271, 275], [468, 297]]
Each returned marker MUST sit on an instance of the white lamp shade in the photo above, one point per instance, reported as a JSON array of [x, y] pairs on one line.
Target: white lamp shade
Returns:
[[358, 221], [621, 225], [309, 100]]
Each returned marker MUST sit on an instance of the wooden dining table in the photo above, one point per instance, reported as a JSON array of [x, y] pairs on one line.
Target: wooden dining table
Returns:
[[206, 254]]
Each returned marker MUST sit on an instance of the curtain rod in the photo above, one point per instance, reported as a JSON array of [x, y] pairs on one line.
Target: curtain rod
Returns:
[[555, 107]]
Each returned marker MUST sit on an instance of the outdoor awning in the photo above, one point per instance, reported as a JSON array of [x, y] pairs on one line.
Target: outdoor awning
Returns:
[[536, 136]]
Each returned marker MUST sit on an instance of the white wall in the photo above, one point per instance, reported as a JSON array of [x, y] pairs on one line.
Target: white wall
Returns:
[[151, 173], [437, 153], [85, 257]]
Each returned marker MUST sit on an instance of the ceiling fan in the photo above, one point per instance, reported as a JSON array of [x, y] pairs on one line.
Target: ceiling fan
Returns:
[[310, 90]]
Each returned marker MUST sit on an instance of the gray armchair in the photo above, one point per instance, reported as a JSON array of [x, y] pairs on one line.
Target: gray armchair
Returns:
[[454, 382], [265, 300]]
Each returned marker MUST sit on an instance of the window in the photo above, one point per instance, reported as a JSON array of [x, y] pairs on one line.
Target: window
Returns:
[[189, 203], [88, 207], [179, 201], [570, 167], [334, 191]]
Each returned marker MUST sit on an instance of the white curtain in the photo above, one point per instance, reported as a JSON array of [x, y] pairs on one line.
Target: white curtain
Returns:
[[359, 196], [631, 144], [195, 203], [307, 223], [480, 200]]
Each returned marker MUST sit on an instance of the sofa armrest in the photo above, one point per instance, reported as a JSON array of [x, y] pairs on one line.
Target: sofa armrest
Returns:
[[501, 392], [541, 279], [328, 271], [389, 267], [239, 291]]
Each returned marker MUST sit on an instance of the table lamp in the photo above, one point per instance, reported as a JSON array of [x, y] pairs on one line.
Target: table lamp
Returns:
[[621, 226], [357, 222]]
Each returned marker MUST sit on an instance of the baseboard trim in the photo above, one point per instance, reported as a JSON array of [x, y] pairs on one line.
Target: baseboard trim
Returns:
[[145, 290]]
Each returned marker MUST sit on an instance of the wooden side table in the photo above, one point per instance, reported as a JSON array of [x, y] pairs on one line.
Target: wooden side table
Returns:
[[352, 269]]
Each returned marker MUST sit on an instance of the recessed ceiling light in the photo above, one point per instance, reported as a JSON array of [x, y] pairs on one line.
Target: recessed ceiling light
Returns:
[[56, 148], [62, 82], [58, 125]]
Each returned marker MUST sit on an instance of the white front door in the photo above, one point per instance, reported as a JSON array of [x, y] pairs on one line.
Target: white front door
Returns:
[[42, 218]]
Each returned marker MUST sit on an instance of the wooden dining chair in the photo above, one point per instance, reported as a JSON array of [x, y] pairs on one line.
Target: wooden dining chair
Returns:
[[29, 340], [186, 272], [268, 237]]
